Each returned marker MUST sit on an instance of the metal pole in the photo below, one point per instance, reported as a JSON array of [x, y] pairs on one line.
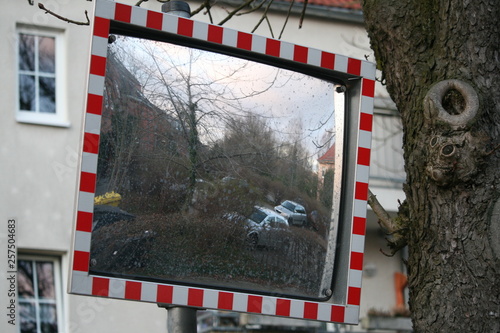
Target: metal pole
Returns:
[[179, 319], [179, 8]]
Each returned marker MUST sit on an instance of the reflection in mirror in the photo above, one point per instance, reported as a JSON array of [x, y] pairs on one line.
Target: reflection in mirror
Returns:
[[208, 171]]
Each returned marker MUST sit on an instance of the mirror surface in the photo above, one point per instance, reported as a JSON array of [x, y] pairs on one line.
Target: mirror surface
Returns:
[[213, 171]]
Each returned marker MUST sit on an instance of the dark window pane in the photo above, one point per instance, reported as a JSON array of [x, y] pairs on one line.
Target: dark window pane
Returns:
[[28, 317], [45, 274], [25, 279], [26, 52], [48, 318], [47, 94], [37, 306], [27, 92], [46, 54]]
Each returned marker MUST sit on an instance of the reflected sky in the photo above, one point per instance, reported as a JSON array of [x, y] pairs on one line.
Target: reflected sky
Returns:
[[294, 106]]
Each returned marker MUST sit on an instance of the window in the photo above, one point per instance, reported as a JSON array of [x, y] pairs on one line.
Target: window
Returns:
[[39, 295], [39, 87]]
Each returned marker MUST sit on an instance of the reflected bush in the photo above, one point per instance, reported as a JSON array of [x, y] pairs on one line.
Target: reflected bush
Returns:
[[211, 251], [165, 245], [228, 196], [156, 187]]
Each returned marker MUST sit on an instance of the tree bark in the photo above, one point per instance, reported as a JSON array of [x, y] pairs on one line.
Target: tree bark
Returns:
[[453, 171]]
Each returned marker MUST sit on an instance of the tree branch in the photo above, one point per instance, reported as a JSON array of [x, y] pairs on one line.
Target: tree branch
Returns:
[[303, 14], [390, 225], [206, 4], [384, 218], [47, 11], [287, 17], [264, 17], [231, 14]]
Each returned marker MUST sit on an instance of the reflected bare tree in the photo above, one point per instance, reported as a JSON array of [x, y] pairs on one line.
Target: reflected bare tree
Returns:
[[203, 101]]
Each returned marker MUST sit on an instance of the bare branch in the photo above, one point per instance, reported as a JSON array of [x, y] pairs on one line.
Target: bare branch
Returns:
[[395, 245], [254, 9], [396, 227], [384, 217], [270, 27], [231, 14], [199, 9], [47, 11], [303, 14], [264, 17], [206, 4], [209, 12], [287, 17]]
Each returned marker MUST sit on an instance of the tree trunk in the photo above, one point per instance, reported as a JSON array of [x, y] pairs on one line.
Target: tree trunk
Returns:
[[193, 146], [451, 154]]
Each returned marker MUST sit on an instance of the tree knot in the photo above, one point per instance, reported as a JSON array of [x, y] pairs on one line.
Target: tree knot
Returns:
[[451, 103], [454, 151]]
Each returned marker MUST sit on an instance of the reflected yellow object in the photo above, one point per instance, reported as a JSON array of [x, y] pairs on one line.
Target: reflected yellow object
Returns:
[[109, 198]]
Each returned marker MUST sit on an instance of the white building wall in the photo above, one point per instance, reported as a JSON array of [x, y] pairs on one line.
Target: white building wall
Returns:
[[38, 172]]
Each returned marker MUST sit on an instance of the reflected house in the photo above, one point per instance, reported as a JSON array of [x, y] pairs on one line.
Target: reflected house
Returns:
[[326, 162], [326, 168], [126, 101], [130, 124]]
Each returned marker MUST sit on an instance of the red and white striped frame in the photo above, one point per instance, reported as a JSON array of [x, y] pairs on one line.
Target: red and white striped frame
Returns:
[[85, 284]]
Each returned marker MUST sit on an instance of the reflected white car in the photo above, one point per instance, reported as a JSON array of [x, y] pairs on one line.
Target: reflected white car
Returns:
[[265, 227], [294, 213]]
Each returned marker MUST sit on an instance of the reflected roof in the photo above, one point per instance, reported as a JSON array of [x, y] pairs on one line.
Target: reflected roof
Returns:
[[329, 156]]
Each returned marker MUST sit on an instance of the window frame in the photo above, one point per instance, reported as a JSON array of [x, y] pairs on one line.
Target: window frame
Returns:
[[59, 118], [58, 289]]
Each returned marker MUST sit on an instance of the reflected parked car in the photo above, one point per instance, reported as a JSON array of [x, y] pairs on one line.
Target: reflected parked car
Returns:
[[265, 228], [294, 213]]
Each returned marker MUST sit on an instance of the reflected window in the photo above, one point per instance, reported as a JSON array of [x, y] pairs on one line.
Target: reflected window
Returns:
[[38, 84], [38, 294]]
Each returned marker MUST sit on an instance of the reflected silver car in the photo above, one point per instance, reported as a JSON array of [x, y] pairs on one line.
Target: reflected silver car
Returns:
[[265, 227], [294, 213]]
